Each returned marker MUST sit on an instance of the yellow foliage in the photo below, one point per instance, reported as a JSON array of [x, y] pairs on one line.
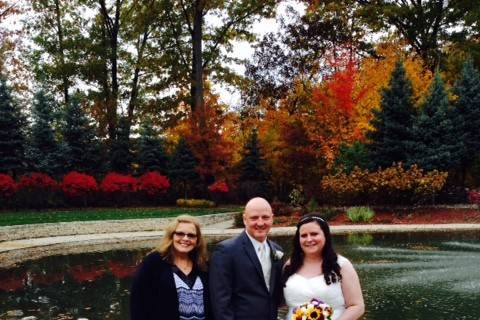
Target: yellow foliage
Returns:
[[375, 73], [195, 203], [386, 185]]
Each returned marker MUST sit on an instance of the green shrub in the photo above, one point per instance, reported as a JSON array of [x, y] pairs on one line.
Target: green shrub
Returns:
[[327, 213], [360, 214], [195, 203]]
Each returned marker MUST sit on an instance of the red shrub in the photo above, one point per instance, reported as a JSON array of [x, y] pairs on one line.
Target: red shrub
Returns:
[[153, 183], [75, 184], [115, 182], [474, 196], [36, 180], [218, 186], [7, 185]]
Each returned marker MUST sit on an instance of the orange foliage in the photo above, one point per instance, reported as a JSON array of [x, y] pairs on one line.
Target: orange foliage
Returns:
[[209, 138]]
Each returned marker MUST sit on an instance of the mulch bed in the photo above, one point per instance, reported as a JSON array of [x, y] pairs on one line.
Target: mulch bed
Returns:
[[401, 216]]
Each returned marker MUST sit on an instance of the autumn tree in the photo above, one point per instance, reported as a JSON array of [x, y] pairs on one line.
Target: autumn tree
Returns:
[[57, 33], [424, 25], [375, 73], [209, 142], [391, 139], [198, 49], [329, 114], [302, 48], [12, 135], [435, 146], [9, 40]]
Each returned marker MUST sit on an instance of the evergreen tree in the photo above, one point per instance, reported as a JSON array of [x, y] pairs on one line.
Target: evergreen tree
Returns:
[[182, 167], [81, 147], [435, 145], [151, 151], [12, 138], [466, 113], [253, 176], [391, 139], [352, 156], [44, 152], [121, 156]]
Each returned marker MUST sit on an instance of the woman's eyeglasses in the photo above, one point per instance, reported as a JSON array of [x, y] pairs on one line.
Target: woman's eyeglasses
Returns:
[[190, 236]]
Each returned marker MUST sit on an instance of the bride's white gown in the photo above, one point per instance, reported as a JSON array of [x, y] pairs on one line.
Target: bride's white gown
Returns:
[[299, 290]]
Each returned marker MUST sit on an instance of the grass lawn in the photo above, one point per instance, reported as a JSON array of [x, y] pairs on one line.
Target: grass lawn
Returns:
[[8, 218]]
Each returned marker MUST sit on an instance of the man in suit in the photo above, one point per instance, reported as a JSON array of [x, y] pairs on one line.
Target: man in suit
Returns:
[[245, 271]]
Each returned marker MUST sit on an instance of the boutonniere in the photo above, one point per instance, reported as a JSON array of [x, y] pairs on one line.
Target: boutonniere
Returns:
[[277, 255]]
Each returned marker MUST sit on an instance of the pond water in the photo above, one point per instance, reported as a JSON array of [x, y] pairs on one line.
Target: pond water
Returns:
[[414, 276]]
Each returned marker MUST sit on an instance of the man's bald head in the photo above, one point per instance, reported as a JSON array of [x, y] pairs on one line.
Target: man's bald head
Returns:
[[258, 218], [257, 204]]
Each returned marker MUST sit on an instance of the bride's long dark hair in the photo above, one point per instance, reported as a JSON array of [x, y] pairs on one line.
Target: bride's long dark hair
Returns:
[[330, 267]]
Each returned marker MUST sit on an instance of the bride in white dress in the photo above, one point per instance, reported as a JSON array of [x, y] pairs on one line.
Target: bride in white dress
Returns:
[[316, 271]]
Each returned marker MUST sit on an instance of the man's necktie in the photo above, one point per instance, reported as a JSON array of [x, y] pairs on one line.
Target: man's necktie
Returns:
[[266, 264]]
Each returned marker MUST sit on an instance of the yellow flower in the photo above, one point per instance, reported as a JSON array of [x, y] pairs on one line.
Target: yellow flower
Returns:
[[314, 314]]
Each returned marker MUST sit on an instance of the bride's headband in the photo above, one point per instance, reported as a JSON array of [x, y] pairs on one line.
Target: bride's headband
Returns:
[[311, 218]]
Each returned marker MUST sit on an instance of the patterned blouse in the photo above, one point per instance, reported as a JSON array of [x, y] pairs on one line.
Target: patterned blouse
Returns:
[[190, 295]]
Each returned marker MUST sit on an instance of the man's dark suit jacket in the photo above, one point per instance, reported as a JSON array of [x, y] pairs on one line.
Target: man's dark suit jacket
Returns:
[[237, 287], [154, 295]]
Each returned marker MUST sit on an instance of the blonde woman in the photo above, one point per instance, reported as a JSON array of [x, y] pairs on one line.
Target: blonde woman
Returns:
[[171, 282]]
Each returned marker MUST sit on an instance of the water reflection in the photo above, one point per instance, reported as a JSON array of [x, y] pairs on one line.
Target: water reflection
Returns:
[[414, 276]]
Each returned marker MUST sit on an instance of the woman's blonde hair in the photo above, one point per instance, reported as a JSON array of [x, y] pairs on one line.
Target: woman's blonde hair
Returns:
[[198, 255]]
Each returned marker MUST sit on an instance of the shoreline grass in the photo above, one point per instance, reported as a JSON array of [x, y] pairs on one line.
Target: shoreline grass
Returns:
[[10, 218]]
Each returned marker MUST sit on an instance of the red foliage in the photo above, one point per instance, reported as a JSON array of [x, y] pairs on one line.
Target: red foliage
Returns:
[[339, 91], [75, 184], [153, 183], [207, 138], [47, 279], [474, 196], [37, 180], [218, 186], [15, 282], [115, 182], [87, 273], [120, 270], [7, 185]]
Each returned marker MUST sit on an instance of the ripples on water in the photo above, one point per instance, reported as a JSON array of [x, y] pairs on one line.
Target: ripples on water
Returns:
[[440, 282]]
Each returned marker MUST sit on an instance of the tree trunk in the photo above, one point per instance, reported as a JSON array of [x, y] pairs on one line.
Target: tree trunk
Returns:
[[197, 59], [112, 27], [61, 51], [136, 75]]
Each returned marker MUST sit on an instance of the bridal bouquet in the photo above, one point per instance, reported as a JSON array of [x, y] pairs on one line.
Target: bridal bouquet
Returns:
[[313, 310]]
